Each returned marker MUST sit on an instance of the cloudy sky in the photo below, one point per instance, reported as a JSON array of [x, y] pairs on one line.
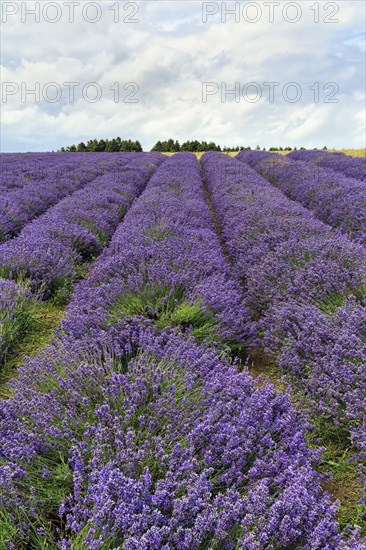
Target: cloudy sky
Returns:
[[267, 73]]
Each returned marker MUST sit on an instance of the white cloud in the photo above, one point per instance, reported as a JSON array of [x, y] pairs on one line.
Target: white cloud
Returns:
[[169, 54]]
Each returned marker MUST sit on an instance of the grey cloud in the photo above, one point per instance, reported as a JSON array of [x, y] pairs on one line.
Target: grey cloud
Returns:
[[169, 54]]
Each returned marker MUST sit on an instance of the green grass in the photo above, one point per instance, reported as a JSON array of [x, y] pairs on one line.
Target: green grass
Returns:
[[46, 317], [15, 323], [167, 307], [99, 233], [338, 460]]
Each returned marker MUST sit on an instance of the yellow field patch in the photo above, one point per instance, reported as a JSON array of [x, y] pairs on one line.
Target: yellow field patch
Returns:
[[350, 152]]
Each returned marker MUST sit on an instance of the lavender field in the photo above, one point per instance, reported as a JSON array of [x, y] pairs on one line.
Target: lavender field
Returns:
[[182, 351]]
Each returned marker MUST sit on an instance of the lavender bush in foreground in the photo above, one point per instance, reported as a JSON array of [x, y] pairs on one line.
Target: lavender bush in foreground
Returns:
[[301, 280], [327, 354], [157, 444], [352, 167], [335, 198]]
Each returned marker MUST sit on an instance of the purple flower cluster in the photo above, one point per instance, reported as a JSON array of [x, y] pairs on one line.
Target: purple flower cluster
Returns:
[[352, 167], [45, 186], [49, 249], [335, 198], [304, 286], [18, 169], [326, 353], [128, 433], [165, 447]]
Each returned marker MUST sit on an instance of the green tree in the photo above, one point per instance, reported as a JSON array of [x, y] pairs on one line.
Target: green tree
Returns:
[[158, 146], [81, 147]]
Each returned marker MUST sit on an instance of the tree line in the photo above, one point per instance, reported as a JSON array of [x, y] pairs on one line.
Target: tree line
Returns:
[[166, 146], [173, 146], [104, 145]]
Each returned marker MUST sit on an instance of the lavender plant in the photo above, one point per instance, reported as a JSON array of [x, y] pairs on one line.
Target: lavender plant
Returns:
[[50, 249], [336, 199], [300, 278], [165, 263], [351, 167], [156, 443], [44, 187], [17, 306]]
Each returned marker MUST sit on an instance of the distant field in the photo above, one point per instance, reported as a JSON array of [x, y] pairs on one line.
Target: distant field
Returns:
[[350, 152], [354, 152], [200, 153]]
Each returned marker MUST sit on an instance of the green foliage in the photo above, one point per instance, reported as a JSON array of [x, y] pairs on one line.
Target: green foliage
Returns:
[[187, 315], [104, 145], [194, 146], [281, 148], [22, 272], [159, 233], [14, 325], [99, 233], [49, 481], [168, 146], [8, 529], [173, 146], [45, 317], [341, 470], [331, 303], [167, 307]]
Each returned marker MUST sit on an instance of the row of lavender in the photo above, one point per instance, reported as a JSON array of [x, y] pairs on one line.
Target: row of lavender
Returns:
[[44, 184], [129, 433], [49, 253], [18, 169], [352, 167], [305, 289], [169, 257], [335, 198]]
